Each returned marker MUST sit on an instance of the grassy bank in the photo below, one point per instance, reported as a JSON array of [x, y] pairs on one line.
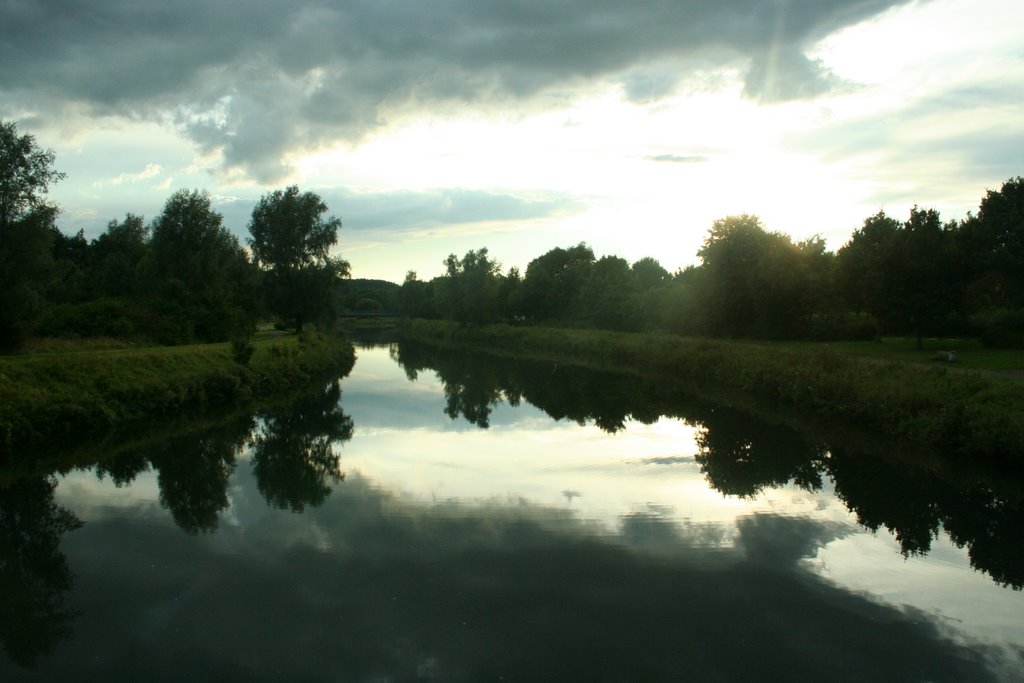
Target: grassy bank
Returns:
[[962, 412], [54, 396]]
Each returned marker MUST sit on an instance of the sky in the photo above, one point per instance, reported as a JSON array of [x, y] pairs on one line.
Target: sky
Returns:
[[436, 127]]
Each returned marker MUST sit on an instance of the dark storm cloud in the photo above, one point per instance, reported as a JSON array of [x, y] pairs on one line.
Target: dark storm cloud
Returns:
[[255, 79]]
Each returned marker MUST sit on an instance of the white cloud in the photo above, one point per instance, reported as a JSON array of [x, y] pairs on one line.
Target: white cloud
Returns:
[[151, 171]]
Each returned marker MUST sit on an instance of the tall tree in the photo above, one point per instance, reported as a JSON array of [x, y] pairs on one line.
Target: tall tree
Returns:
[[471, 288], [923, 291], [554, 281], [291, 238], [993, 248], [116, 255], [608, 299], [198, 270], [26, 231], [864, 268], [760, 283]]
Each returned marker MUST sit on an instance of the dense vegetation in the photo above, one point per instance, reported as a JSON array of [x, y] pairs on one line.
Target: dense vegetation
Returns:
[[45, 397], [919, 277], [181, 278]]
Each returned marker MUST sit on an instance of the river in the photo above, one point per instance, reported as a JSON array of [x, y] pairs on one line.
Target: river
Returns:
[[438, 516]]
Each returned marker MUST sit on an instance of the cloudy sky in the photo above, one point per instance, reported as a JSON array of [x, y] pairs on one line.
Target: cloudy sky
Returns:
[[433, 127]]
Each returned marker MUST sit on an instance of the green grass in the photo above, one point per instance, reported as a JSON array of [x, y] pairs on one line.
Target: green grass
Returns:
[[53, 395], [970, 352]]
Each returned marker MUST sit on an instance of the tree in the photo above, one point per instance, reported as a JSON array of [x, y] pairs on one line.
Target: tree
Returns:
[[901, 273], [26, 232], [760, 283], [471, 287], [608, 299], [1001, 237], [923, 280], [416, 297], [864, 268], [554, 281], [991, 257], [116, 255], [198, 271], [291, 240]]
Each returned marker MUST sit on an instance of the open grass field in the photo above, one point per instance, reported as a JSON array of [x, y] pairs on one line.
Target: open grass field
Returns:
[[970, 353]]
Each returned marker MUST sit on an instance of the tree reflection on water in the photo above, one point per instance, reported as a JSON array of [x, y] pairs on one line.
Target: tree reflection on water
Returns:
[[742, 455], [294, 459], [34, 574], [294, 456]]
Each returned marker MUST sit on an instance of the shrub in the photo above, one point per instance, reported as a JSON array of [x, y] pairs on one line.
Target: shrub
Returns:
[[1001, 328]]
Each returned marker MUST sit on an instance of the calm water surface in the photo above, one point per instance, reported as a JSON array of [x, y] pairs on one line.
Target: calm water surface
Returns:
[[445, 517]]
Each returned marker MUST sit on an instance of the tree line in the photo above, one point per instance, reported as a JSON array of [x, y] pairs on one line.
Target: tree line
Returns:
[[184, 277], [180, 278], [918, 276]]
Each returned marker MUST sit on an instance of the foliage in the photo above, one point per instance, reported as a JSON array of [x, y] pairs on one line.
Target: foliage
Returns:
[[746, 446], [54, 397], [294, 454], [34, 574], [609, 298], [351, 292], [991, 247], [1001, 328], [470, 289], [416, 297], [291, 240], [197, 270], [553, 283], [761, 283], [26, 233], [962, 413]]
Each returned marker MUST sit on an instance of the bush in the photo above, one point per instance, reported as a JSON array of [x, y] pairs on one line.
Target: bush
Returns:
[[1000, 328], [100, 318], [369, 305]]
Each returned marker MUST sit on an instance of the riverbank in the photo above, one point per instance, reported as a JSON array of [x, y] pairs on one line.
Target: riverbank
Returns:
[[49, 397], [962, 413]]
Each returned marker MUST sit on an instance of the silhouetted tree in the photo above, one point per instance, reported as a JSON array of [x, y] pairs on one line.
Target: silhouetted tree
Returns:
[[759, 283], [923, 283], [197, 270], [291, 240], [26, 232], [991, 258], [609, 298], [116, 255], [416, 297], [470, 289], [554, 281], [865, 266], [996, 242]]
